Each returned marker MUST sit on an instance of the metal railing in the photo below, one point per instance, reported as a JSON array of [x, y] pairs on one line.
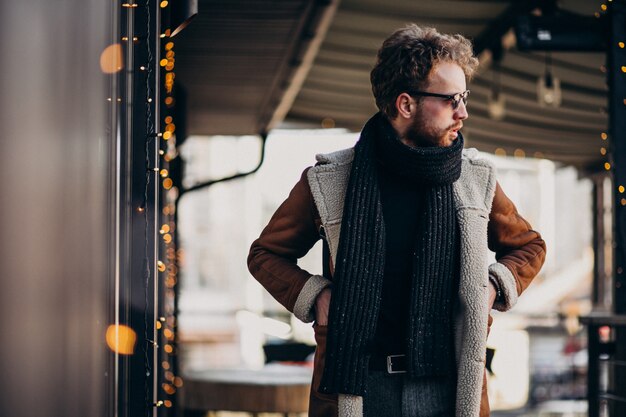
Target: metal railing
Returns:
[[606, 375]]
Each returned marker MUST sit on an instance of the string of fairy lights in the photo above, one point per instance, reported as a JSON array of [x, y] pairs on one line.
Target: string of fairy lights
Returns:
[[168, 266], [604, 137], [149, 172], [165, 273]]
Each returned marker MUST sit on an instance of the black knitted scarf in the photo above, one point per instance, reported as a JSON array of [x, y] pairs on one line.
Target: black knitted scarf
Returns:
[[358, 278]]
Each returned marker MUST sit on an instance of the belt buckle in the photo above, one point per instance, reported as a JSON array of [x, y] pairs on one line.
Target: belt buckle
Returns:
[[390, 369]]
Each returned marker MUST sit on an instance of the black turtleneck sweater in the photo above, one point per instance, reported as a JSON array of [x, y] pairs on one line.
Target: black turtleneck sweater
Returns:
[[400, 200]]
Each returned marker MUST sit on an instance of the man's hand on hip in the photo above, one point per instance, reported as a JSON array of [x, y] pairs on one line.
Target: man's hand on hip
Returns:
[[322, 306]]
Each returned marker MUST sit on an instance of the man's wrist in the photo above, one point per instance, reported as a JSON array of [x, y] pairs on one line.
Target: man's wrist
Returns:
[[496, 286]]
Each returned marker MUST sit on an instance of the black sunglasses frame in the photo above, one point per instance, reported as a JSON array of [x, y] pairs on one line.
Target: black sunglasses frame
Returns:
[[455, 99]]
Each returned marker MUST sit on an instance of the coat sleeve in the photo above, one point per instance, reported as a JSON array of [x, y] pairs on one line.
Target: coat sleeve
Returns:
[[290, 234], [520, 250]]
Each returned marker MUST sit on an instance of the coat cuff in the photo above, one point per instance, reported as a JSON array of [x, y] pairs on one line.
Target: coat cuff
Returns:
[[304, 308], [349, 405], [507, 284]]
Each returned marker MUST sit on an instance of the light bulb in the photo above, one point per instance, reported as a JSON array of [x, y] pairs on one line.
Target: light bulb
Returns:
[[548, 90]]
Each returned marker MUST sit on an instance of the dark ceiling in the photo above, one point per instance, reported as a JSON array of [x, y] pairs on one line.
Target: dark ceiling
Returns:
[[245, 69], [239, 60]]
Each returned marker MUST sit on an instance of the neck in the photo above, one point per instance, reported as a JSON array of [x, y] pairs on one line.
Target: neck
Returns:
[[401, 127]]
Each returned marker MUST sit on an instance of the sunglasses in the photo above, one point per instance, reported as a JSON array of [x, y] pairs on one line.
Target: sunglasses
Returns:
[[454, 99]]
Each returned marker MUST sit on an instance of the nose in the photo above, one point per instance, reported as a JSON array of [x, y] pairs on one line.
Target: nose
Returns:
[[461, 112]]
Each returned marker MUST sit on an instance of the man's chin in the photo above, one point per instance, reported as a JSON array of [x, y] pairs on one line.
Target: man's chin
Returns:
[[449, 139]]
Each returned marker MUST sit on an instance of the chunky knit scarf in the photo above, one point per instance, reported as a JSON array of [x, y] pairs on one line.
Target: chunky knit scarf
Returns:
[[358, 278]]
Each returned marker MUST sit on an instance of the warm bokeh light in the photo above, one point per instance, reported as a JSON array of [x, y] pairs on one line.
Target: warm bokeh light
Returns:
[[603, 151], [604, 136], [170, 282], [169, 46], [178, 382], [168, 348], [121, 339], [605, 334], [165, 365], [328, 123], [169, 389], [168, 120], [607, 166], [500, 152], [167, 238], [167, 135], [111, 59], [169, 85], [519, 153], [168, 183], [161, 266]]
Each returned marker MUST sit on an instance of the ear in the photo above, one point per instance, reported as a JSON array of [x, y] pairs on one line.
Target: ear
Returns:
[[405, 105]]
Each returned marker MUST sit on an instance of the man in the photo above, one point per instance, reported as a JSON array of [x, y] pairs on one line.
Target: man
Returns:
[[408, 216]]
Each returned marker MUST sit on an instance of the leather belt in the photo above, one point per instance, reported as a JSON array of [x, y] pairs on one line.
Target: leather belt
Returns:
[[392, 364]]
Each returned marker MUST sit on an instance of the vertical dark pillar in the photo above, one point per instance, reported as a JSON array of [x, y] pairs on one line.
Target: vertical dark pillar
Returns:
[[593, 380], [138, 205], [617, 130], [599, 236]]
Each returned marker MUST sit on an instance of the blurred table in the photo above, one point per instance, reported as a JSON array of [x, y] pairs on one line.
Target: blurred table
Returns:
[[272, 389]]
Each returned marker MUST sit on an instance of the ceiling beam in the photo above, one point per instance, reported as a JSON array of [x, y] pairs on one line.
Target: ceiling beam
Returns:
[[299, 62]]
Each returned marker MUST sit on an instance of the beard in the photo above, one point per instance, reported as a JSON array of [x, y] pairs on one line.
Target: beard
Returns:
[[424, 133]]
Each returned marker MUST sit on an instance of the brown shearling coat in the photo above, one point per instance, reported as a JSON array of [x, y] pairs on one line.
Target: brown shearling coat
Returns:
[[296, 227]]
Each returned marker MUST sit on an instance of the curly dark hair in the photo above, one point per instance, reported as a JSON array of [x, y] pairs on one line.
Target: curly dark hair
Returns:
[[407, 57]]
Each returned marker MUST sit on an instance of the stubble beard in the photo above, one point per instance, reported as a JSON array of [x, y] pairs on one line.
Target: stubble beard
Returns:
[[422, 133]]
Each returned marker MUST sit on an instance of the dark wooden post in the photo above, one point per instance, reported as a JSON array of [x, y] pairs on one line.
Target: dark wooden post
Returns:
[[617, 132]]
